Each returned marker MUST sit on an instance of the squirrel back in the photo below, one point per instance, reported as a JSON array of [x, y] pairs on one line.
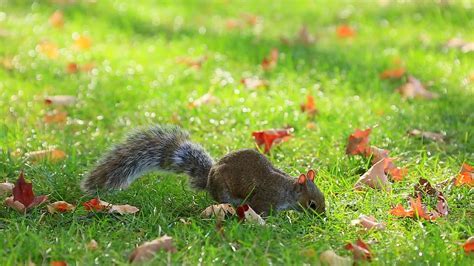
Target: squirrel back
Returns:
[[155, 148]]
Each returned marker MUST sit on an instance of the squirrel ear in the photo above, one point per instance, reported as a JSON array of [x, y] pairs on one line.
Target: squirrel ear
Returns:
[[311, 174], [302, 179]]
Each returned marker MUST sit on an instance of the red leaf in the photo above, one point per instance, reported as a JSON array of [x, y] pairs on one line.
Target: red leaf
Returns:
[[360, 250], [241, 211], [345, 31], [465, 176], [309, 106], [358, 142], [23, 194], [268, 63], [271, 136], [96, 204], [469, 245]]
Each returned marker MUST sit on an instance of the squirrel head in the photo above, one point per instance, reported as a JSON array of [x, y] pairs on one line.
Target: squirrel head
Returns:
[[309, 195]]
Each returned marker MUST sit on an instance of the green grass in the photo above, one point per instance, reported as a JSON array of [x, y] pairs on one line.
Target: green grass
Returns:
[[138, 82]]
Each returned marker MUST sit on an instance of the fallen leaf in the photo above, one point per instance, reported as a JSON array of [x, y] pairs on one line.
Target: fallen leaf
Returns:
[[304, 37], [23, 197], [398, 173], [358, 142], [309, 106], [6, 189], [97, 205], [55, 116], [270, 62], [460, 44], [72, 68], [330, 258], [438, 137], [424, 189], [245, 212], [148, 250], [415, 89], [58, 263], [345, 31], [220, 211], [53, 155], [48, 49], [92, 245], [82, 42], [468, 246], [60, 207], [123, 209], [368, 222], [416, 210], [360, 250], [254, 83], [393, 73], [375, 178], [57, 19], [272, 136], [206, 99], [465, 176], [62, 100], [192, 63]]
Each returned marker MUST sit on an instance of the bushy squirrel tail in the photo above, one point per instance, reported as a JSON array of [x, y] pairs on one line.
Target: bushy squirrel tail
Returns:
[[155, 148]]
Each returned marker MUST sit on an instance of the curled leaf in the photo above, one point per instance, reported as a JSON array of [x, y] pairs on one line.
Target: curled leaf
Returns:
[[123, 209], [271, 136], [368, 222], [360, 250], [358, 142], [414, 89], [438, 137], [330, 258], [60, 207], [245, 212], [60, 100], [53, 155], [220, 211], [375, 178], [148, 250]]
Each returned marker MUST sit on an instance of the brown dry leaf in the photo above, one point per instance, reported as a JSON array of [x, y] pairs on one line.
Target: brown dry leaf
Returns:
[[330, 258], [123, 209], [304, 37], [220, 211], [6, 189], [57, 19], [375, 178], [254, 83], [55, 116], [93, 245], [148, 250], [424, 189], [53, 155], [245, 212], [206, 99], [358, 142], [415, 89], [48, 49], [60, 207], [460, 44], [62, 100], [438, 137], [82, 42], [368, 222]]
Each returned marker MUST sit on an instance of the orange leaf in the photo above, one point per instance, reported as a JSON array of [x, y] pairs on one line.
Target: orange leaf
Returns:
[[60, 206], [400, 211], [469, 245], [48, 49], [270, 62], [192, 63], [82, 42], [53, 155], [466, 176], [394, 73], [309, 106], [360, 250], [96, 204], [55, 117], [57, 19], [72, 68], [398, 173], [58, 263], [272, 136], [345, 31], [358, 142]]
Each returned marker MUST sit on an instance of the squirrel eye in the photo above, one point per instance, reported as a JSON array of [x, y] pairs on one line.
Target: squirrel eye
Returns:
[[312, 205]]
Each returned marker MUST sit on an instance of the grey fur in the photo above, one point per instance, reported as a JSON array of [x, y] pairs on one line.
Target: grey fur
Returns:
[[155, 148]]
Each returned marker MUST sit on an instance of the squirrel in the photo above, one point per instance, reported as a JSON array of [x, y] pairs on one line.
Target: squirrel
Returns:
[[243, 176]]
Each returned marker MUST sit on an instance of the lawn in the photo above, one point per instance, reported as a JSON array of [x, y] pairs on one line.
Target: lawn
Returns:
[[138, 70]]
